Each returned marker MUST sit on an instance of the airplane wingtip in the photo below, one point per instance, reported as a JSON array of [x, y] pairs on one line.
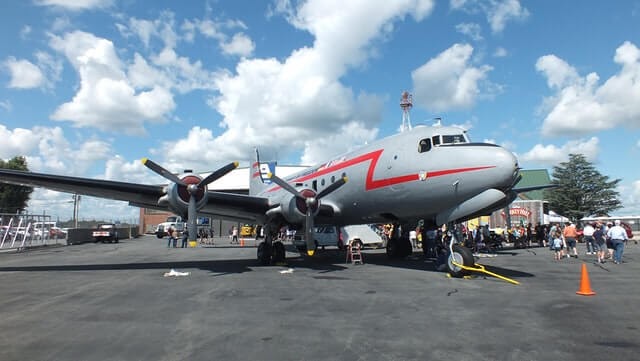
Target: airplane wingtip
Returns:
[[144, 160]]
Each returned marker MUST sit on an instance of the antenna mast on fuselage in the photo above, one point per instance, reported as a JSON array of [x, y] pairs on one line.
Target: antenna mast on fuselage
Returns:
[[406, 103]]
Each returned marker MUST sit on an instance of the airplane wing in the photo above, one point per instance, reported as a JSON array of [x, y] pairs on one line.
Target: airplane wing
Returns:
[[534, 188], [221, 204]]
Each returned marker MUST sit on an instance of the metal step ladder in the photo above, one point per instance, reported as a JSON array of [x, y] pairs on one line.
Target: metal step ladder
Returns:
[[353, 254]]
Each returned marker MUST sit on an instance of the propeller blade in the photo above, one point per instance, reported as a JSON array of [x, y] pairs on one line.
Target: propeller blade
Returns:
[[286, 186], [218, 174], [192, 226], [162, 172], [308, 232], [339, 183]]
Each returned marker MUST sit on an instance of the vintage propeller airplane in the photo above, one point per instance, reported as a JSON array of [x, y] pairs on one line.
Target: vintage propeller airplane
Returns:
[[430, 173]]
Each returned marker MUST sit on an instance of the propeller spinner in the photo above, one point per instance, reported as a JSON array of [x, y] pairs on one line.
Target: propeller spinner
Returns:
[[192, 187]]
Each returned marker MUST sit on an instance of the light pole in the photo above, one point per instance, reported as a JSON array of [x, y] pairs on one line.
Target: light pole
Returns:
[[76, 201]]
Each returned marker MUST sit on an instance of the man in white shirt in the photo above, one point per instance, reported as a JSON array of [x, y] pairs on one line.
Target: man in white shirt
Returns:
[[587, 232], [618, 235]]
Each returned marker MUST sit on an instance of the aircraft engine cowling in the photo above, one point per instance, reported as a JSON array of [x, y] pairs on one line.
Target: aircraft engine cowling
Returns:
[[296, 210], [178, 196]]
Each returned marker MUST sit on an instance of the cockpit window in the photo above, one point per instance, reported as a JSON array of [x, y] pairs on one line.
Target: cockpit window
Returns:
[[424, 145], [436, 140], [453, 139]]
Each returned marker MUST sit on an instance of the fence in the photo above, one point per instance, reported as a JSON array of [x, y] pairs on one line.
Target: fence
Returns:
[[20, 231]]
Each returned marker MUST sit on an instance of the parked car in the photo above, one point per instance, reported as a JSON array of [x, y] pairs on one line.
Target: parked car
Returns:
[[56, 232], [106, 232]]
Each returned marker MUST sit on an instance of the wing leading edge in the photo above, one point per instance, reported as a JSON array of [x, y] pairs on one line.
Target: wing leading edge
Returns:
[[222, 204]]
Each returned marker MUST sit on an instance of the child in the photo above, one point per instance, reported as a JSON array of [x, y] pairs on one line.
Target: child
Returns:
[[557, 245]]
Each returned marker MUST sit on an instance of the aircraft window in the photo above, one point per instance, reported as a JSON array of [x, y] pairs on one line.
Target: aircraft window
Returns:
[[314, 185], [333, 179], [322, 182], [424, 145], [436, 140], [344, 174], [453, 139]]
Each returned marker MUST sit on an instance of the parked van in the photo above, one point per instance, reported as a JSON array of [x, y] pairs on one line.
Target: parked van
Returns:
[[323, 236], [364, 235]]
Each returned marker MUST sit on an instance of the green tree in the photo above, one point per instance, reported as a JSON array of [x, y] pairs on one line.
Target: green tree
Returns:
[[582, 190], [14, 198]]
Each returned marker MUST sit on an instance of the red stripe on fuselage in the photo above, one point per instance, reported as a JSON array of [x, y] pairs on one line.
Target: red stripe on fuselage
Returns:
[[370, 183]]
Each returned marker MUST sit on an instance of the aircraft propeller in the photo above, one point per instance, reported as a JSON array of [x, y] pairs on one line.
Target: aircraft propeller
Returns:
[[193, 189], [309, 201]]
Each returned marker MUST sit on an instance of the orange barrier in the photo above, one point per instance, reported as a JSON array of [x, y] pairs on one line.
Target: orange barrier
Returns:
[[585, 284], [241, 242]]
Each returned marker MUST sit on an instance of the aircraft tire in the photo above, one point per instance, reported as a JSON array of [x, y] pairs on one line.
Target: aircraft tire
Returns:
[[264, 254], [279, 254], [393, 249], [461, 255]]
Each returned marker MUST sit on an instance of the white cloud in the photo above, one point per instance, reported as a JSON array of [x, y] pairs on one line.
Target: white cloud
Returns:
[[24, 74], [449, 81], [240, 45], [106, 99], [551, 155], [6, 105], [500, 12], [500, 52], [295, 102], [580, 105], [471, 30], [76, 5], [497, 12], [25, 31]]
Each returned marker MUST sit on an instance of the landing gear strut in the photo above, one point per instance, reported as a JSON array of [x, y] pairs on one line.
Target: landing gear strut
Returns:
[[270, 252], [399, 245]]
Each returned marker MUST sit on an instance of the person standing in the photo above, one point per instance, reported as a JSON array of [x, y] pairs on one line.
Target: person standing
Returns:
[[234, 235], [170, 236], [174, 237], [618, 236], [570, 235], [556, 241], [600, 242], [185, 237], [588, 238]]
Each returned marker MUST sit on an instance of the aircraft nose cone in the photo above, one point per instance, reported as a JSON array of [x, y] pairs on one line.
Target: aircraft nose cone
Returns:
[[508, 163]]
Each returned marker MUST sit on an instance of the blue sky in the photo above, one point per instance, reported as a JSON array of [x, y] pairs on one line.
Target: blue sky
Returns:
[[89, 87]]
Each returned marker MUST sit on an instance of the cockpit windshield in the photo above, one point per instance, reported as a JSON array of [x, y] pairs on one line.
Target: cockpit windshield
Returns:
[[453, 139], [425, 144]]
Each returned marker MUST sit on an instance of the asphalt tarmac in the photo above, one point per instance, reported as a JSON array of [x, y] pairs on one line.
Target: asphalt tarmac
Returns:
[[111, 302]]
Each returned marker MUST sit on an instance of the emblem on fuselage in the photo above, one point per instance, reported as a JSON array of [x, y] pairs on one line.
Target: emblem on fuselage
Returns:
[[422, 175]]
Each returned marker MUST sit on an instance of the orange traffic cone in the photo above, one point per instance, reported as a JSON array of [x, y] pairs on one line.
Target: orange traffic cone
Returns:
[[585, 284], [241, 242]]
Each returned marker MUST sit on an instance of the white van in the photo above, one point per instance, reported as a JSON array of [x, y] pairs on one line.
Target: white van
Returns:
[[323, 236], [364, 235]]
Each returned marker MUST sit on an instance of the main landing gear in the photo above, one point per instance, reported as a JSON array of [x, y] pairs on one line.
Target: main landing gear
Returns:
[[399, 245], [270, 252]]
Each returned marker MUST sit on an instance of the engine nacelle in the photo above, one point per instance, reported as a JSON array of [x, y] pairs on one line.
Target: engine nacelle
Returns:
[[177, 196], [296, 209], [484, 201]]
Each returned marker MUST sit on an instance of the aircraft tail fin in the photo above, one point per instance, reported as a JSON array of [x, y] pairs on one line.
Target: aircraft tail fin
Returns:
[[256, 183]]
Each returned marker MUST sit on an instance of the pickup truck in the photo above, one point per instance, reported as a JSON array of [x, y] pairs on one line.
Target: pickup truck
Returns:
[[106, 232]]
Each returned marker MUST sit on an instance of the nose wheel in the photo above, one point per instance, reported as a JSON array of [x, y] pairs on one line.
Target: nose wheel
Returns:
[[462, 256]]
